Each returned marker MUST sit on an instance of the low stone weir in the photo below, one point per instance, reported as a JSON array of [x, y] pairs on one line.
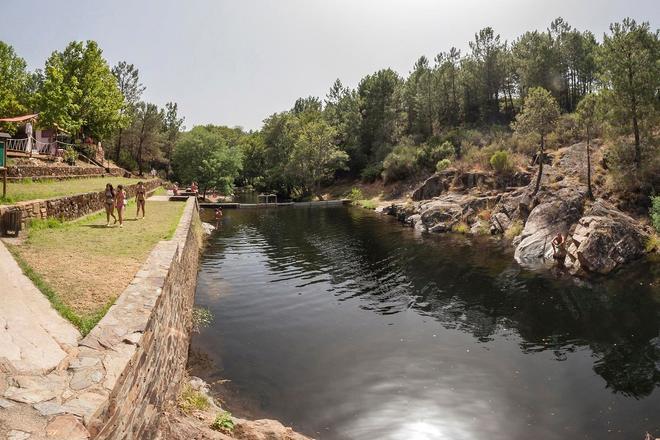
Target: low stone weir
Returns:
[[65, 207]]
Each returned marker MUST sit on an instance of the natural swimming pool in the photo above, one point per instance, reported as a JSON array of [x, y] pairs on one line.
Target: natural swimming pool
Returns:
[[345, 325]]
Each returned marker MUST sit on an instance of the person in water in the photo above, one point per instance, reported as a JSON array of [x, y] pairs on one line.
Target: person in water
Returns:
[[109, 203], [218, 217], [140, 198], [559, 248], [120, 203]]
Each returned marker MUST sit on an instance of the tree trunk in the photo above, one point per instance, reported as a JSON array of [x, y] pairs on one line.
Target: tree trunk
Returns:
[[540, 174], [118, 150], [638, 148], [589, 191]]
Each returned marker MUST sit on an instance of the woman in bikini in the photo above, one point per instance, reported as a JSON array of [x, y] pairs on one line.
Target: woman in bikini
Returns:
[[120, 203], [140, 197], [109, 203]]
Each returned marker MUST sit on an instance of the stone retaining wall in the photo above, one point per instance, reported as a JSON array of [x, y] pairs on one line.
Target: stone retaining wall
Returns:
[[66, 207], [61, 172], [146, 333]]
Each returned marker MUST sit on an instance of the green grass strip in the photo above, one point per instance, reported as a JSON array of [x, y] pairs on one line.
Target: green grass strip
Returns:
[[84, 323]]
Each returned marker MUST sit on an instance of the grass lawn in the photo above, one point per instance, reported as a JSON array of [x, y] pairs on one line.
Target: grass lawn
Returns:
[[18, 191], [82, 266]]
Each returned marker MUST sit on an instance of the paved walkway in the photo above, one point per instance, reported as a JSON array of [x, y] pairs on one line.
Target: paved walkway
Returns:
[[34, 341], [27, 321]]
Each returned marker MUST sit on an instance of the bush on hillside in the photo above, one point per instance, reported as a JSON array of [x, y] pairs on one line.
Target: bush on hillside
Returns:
[[371, 172], [401, 163], [501, 163], [442, 165], [655, 212]]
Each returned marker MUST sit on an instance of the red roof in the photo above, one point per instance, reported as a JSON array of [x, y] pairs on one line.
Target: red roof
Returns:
[[19, 118]]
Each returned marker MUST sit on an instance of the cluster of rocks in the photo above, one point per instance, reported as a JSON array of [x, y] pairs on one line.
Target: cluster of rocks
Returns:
[[176, 425], [599, 237]]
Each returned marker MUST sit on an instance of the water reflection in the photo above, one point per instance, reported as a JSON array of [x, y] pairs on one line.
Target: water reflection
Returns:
[[341, 304]]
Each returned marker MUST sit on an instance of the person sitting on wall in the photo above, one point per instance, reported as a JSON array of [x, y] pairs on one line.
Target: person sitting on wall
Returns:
[[559, 248]]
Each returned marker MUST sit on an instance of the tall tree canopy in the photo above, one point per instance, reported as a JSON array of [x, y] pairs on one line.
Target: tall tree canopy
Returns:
[[79, 93], [14, 82]]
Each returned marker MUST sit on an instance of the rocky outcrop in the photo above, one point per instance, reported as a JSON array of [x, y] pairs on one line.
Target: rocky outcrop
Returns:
[[176, 425], [599, 237], [442, 182], [548, 218], [604, 239]]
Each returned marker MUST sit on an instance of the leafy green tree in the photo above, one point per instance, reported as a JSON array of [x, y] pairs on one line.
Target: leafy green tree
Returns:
[[145, 135], [14, 81], [203, 155], [128, 81], [172, 127], [539, 115], [631, 70], [383, 117], [80, 93], [315, 157], [342, 112], [589, 116]]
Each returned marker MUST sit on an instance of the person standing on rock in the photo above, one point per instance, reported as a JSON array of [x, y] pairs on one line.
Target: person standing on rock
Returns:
[[559, 249], [120, 202], [109, 203], [140, 198]]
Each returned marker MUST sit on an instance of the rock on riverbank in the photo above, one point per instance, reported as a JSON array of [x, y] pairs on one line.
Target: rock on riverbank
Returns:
[[599, 237], [176, 425]]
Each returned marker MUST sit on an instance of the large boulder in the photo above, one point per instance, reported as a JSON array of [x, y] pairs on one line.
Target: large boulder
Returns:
[[434, 186], [604, 239], [551, 216], [442, 213]]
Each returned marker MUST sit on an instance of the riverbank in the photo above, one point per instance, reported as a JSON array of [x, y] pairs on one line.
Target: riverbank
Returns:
[[600, 234]]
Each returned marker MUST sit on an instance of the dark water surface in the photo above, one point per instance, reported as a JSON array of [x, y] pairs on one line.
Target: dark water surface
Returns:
[[345, 325]]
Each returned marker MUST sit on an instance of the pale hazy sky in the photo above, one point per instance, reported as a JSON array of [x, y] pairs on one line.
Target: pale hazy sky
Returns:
[[236, 62]]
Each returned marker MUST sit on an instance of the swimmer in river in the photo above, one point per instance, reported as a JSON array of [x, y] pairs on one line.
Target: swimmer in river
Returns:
[[218, 217]]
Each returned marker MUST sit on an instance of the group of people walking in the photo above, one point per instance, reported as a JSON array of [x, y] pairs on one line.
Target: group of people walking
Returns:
[[117, 199]]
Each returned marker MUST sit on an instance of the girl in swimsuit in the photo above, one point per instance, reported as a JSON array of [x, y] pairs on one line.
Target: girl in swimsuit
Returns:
[[140, 198], [109, 203], [120, 203]]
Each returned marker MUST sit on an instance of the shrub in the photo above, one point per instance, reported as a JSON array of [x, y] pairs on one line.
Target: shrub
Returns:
[[371, 172], [514, 230], [444, 151], [355, 194], [461, 228], [70, 155], [368, 204], [655, 212], [401, 163], [223, 423], [190, 400], [501, 163], [201, 318], [442, 165]]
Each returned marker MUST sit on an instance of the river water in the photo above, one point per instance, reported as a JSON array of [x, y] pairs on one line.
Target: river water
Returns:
[[345, 325]]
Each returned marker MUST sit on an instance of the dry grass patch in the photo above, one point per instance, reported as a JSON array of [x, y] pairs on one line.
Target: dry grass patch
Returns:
[[87, 265]]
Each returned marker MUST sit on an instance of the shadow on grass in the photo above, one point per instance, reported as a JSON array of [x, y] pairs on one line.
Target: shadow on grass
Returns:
[[96, 226]]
